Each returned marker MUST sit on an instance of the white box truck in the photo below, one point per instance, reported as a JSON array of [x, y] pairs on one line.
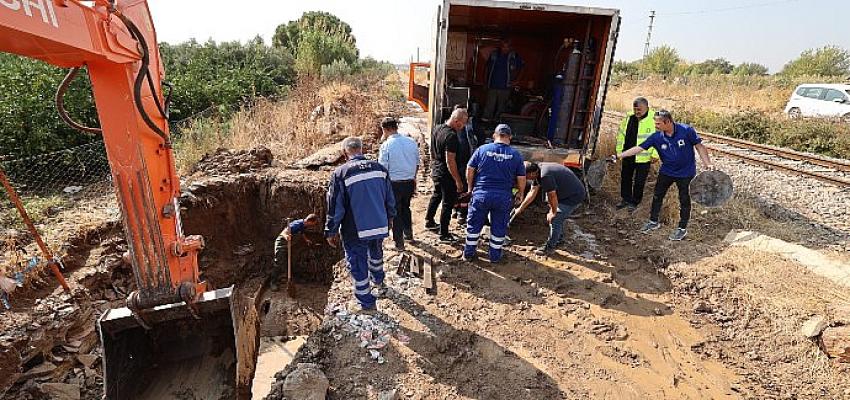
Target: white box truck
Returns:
[[558, 90]]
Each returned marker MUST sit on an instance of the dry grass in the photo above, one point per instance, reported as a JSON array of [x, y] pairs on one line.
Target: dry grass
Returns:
[[289, 127], [718, 93]]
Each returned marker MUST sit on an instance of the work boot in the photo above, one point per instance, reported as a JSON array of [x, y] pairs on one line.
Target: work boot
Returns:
[[380, 291], [544, 250], [678, 234], [432, 226], [356, 308], [650, 226], [448, 239], [631, 207]]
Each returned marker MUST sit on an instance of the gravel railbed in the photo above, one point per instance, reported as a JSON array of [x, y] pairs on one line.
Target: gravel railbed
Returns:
[[823, 207], [800, 199]]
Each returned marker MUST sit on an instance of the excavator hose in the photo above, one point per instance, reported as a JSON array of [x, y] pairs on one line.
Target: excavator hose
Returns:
[[143, 73], [60, 103]]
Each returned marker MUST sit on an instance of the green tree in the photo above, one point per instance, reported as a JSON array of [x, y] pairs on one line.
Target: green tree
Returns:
[[317, 48], [825, 61], [223, 74], [217, 75], [750, 69], [661, 60], [717, 66], [289, 35], [317, 38]]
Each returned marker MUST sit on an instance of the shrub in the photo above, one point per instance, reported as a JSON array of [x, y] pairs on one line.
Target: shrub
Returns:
[[825, 61], [29, 123], [221, 76], [750, 69]]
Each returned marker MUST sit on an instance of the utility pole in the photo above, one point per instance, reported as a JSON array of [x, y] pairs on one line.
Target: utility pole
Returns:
[[417, 53], [648, 33]]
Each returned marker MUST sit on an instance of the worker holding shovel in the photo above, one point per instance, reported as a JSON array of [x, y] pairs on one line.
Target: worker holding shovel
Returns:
[[283, 252]]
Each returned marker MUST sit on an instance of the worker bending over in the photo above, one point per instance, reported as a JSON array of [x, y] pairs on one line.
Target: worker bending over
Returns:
[[564, 192], [281, 250], [494, 170], [361, 208], [634, 129], [675, 144]]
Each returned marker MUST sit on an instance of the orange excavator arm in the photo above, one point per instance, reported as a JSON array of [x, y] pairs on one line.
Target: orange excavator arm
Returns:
[[173, 336], [116, 42]]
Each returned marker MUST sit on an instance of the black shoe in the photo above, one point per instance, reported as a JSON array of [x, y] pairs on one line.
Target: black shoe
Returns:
[[432, 226], [399, 246], [408, 236], [623, 204], [632, 207], [448, 239]]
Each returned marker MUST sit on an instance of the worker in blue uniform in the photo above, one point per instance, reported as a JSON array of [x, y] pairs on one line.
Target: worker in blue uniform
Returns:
[[281, 247], [494, 170], [361, 208]]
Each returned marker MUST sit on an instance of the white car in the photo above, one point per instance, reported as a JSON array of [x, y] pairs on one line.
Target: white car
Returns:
[[820, 101]]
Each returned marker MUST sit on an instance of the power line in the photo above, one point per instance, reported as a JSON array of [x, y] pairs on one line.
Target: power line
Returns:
[[648, 33], [698, 12]]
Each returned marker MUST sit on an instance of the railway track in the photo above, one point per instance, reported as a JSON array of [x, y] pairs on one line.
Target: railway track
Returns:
[[824, 169]]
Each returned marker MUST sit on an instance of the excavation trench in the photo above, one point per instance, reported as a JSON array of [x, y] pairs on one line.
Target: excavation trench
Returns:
[[49, 342]]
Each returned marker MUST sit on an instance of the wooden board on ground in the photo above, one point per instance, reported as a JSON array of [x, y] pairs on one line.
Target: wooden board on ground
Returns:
[[429, 281], [403, 264], [415, 266]]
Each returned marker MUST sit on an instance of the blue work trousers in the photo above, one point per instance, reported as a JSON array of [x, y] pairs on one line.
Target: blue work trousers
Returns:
[[556, 228], [365, 259], [498, 207]]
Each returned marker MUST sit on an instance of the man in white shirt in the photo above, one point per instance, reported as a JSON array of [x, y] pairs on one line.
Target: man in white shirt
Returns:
[[399, 154]]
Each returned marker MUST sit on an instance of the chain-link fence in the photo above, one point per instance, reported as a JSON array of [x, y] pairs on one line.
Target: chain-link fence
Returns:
[[61, 191]]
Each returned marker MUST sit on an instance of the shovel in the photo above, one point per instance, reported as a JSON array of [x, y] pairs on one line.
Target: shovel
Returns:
[[595, 175], [290, 290]]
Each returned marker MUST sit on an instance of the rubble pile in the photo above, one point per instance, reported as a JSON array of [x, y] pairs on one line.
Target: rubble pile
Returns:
[[373, 331], [224, 161]]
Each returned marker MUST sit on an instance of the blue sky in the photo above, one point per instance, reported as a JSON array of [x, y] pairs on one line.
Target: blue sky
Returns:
[[769, 32]]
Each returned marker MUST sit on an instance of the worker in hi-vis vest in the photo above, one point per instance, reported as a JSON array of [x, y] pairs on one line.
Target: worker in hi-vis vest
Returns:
[[634, 129]]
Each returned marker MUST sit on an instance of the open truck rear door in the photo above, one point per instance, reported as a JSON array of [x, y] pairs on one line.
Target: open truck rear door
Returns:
[[418, 86], [565, 49]]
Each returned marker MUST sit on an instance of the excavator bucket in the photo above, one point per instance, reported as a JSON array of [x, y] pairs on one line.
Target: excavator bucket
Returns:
[[171, 352]]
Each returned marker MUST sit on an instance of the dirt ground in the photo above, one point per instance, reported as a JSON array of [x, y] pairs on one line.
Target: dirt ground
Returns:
[[614, 314]]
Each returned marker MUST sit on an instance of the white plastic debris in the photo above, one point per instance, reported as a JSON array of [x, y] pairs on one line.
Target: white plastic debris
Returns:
[[372, 332]]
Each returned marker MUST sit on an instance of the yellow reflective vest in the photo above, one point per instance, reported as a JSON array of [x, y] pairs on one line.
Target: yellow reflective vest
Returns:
[[646, 127]]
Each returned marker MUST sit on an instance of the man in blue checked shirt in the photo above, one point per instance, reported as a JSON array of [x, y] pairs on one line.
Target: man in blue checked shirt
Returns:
[[399, 154], [361, 208], [494, 170]]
